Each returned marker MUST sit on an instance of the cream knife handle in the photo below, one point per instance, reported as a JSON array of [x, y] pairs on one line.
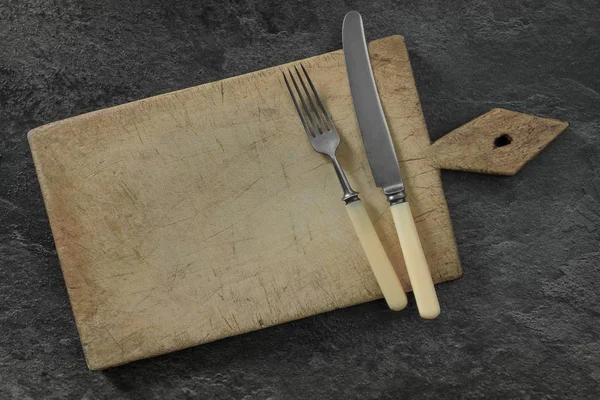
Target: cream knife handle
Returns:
[[380, 263], [416, 264]]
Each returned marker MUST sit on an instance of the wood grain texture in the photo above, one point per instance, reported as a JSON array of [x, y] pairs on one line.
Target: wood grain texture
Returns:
[[205, 213], [498, 142]]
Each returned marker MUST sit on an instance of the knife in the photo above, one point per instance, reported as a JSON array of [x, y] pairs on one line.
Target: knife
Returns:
[[384, 164]]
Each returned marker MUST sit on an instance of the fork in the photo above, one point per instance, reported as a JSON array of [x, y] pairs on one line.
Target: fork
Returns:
[[325, 140]]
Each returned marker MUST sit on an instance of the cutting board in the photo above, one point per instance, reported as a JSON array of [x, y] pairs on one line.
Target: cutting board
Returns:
[[205, 213]]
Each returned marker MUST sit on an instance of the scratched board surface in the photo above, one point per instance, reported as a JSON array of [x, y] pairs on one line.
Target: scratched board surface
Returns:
[[205, 213]]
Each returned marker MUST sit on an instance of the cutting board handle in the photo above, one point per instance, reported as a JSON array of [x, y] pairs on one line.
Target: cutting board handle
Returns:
[[499, 142]]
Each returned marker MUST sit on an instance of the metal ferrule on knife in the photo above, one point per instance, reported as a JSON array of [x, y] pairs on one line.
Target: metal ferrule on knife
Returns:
[[395, 193]]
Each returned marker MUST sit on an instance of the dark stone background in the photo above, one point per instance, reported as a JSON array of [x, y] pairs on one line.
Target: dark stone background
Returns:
[[523, 321]]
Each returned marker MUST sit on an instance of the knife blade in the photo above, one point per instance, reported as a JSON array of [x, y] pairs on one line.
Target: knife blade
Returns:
[[371, 120], [381, 155]]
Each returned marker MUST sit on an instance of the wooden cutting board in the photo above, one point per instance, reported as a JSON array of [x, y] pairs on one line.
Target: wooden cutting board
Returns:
[[205, 213]]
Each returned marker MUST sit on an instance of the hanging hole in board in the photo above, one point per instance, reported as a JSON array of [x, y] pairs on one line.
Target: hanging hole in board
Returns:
[[502, 140]]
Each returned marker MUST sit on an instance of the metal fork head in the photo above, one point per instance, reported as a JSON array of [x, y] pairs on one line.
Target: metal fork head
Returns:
[[318, 125], [315, 118]]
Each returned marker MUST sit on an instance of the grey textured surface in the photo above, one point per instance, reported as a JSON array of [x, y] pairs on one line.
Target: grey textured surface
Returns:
[[523, 321]]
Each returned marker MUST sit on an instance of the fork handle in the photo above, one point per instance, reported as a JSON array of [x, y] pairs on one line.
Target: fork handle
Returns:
[[416, 263], [380, 263]]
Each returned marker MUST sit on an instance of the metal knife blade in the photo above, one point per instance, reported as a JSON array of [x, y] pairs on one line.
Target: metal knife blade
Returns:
[[375, 133]]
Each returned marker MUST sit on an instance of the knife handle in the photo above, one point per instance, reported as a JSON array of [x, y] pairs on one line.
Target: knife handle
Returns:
[[386, 277], [416, 263]]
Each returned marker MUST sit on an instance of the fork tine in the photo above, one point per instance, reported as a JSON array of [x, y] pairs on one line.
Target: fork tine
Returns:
[[312, 124], [321, 123], [317, 97], [297, 107]]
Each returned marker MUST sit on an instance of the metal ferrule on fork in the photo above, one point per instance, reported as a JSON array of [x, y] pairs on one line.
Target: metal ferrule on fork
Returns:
[[349, 194]]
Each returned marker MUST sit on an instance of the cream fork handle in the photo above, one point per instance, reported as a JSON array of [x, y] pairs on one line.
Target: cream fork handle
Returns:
[[416, 263], [380, 263]]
